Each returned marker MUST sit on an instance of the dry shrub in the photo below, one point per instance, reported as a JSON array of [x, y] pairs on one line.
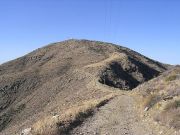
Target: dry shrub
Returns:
[[169, 118], [151, 100], [171, 115], [46, 126], [171, 78], [172, 105], [175, 122], [174, 92]]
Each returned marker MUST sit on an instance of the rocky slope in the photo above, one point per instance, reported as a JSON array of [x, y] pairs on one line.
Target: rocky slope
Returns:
[[52, 80]]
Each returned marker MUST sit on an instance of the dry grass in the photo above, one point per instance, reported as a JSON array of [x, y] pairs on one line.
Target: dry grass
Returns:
[[51, 125], [6, 117], [171, 78], [173, 105], [170, 116], [150, 101], [115, 56], [50, 81]]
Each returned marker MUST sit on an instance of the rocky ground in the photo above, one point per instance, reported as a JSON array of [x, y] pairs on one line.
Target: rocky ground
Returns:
[[119, 117], [62, 88]]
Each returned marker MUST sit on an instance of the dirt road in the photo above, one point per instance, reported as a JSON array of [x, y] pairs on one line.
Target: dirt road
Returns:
[[118, 117]]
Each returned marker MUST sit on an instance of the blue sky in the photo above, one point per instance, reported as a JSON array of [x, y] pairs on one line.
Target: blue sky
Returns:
[[151, 27]]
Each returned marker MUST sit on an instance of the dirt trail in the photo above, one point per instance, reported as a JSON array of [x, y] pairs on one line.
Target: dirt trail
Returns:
[[118, 117]]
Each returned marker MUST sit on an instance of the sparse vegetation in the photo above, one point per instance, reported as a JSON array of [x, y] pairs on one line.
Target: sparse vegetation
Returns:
[[6, 117], [163, 93], [172, 105], [150, 101], [51, 125], [170, 116], [175, 122], [56, 79], [171, 78]]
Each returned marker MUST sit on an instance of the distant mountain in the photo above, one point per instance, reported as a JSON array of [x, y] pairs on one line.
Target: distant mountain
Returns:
[[48, 82]]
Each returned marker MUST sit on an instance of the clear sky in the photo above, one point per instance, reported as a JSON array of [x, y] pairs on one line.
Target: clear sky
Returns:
[[151, 27]]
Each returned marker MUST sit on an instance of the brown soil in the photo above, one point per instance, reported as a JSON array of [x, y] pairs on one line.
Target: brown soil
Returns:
[[60, 76]]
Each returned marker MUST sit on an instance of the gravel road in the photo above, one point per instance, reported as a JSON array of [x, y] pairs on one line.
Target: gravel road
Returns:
[[118, 117]]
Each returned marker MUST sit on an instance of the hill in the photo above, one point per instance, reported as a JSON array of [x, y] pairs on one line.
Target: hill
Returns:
[[160, 98], [53, 89]]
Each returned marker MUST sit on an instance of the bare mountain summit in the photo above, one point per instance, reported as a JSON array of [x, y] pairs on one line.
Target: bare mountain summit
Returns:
[[55, 89]]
